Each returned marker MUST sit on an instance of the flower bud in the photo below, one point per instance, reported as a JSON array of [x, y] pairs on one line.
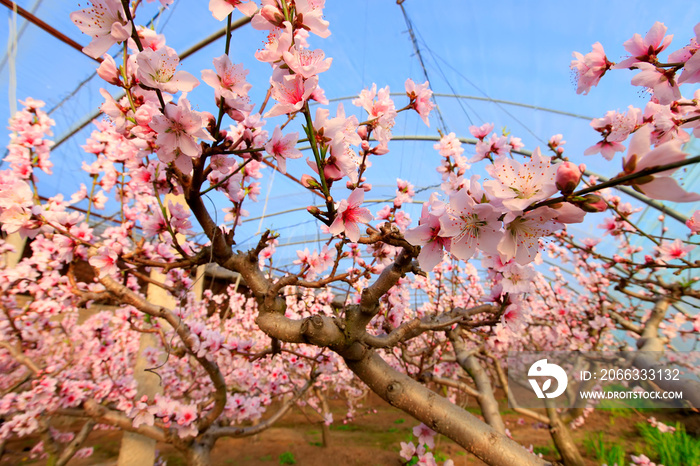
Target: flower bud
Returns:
[[108, 70], [568, 177], [381, 149], [272, 14], [309, 182], [592, 203], [362, 131]]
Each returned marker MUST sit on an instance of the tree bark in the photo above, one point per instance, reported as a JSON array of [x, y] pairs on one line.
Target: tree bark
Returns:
[[136, 448], [486, 399], [199, 454], [75, 444], [562, 438], [650, 341], [325, 410], [439, 414]]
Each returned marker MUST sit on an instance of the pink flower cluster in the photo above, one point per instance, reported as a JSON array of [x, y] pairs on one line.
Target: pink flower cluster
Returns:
[[28, 147], [495, 219], [426, 440]]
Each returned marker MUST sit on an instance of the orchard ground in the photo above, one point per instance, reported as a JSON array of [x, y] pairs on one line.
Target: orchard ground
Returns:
[[373, 439]]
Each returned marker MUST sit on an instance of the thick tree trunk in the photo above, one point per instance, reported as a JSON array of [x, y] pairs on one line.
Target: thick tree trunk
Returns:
[[486, 399], [650, 341], [136, 448], [562, 439], [199, 454], [439, 414], [325, 410], [13, 258]]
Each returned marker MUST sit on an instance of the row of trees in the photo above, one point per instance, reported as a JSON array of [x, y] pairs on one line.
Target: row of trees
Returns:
[[170, 363]]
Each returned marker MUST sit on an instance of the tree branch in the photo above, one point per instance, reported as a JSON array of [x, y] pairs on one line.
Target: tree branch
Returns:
[[415, 327], [127, 296], [238, 431], [76, 443], [439, 414]]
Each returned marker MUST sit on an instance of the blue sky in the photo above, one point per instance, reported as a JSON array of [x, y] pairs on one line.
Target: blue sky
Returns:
[[510, 50]]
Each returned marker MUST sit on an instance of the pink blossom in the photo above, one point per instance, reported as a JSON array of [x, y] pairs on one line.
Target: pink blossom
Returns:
[[663, 428], [349, 213], [425, 434], [495, 145], [426, 459], [520, 185], [220, 9], [568, 177], [691, 70], [311, 12], [186, 415], [407, 450], [694, 222], [108, 70], [523, 233], [471, 226], [616, 127], [642, 460], [669, 251], [660, 185], [569, 213], [305, 62], [646, 49], [270, 16], [661, 81], [340, 133], [149, 38], [482, 131], [514, 317], [283, 148], [278, 41], [229, 80], [158, 69], [590, 68], [518, 278], [16, 193], [381, 111], [404, 192], [84, 453], [105, 22], [105, 261], [291, 91], [428, 234], [556, 142], [606, 148], [420, 99], [178, 130]]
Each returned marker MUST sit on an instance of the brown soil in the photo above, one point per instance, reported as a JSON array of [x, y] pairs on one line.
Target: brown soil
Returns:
[[373, 438]]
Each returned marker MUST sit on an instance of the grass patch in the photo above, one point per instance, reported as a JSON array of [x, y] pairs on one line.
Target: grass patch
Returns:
[[670, 448], [399, 421], [545, 450], [175, 460], [266, 458], [345, 427], [287, 458], [605, 452]]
